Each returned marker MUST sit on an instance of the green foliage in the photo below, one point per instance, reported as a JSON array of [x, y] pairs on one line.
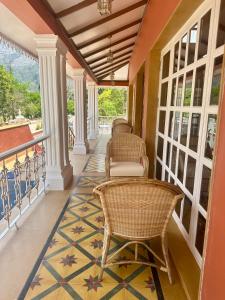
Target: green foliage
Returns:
[[70, 107], [112, 101], [15, 95]]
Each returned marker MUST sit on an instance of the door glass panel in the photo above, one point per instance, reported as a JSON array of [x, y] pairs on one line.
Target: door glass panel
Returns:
[[190, 174], [210, 136], [176, 55], [158, 170], [164, 91], [160, 147], [199, 86], [162, 117], [178, 208], [166, 65], [194, 134], [174, 159], [176, 126], [183, 51], [188, 89], [173, 95], [204, 35], [221, 28], [181, 165], [192, 44], [179, 90], [184, 128], [171, 124], [199, 242], [168, 154], [186, 218], [215, 90], [206, 175], [171, 180], [166, 176]]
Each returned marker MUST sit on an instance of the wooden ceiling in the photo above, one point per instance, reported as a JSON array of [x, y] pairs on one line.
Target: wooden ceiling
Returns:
[[90, 36]]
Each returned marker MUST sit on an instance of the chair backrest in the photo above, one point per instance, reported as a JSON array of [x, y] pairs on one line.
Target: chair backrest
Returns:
[[121, 128], [119, 121], [126, 147], [138, 209]]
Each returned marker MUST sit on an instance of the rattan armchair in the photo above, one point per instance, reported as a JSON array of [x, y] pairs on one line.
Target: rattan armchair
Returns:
[[121, 128], [119, 121], [126, 156], [137, 211]]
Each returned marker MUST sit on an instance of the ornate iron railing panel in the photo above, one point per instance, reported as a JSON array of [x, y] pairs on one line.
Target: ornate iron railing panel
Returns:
[[22, 180], [71, 138]]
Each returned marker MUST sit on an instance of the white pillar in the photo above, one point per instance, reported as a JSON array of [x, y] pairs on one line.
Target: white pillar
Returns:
[[52, 65], [96, 112], [92, 110], [80, 97]]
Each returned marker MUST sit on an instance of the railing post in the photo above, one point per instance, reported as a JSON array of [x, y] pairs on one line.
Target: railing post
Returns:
[[52, 64]]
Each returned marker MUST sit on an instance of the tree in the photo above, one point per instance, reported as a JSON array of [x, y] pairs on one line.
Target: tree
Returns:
[[112, 101]]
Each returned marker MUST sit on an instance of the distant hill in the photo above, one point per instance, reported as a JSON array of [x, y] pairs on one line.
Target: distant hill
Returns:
[[25, 69]]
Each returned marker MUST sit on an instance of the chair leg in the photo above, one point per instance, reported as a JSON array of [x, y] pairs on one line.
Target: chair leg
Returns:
[[106, 244], [167, 259]]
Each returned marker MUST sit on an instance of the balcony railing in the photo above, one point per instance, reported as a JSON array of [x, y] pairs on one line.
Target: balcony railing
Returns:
[[22, 180], [105, 123], [71, 138]]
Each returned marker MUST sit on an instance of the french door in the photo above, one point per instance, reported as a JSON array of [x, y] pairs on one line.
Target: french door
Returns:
[[190, 79]]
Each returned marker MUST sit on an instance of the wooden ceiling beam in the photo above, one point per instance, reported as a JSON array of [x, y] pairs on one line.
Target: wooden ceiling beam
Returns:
[[112, 68], [115, 57], [114, 52], [114, 62], [110, 45], [115, 83], [74, 8], [104, 36], [109, 18]]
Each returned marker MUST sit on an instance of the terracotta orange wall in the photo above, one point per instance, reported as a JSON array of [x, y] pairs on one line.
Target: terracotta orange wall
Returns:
[[213, 286], [157, 15]]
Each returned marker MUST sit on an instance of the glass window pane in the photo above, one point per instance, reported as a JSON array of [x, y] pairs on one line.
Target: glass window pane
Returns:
[[173, 95], [190, 174], [188, 89], [181, 165], [215, 90], [168, 154], [174, 159], [180, 91], [186, 218], [164, 91], [166, 65], [162, 118], [158, 170], [194, 134], [176, 54], [176, 126], [221, 28], [184, 128], [211, 136], [204, 35], [171, 124], [200, 234], [183, 51], [166, 176], [171, 180], [199, 86], [192, 44], [160, 147], [178, 208], [206, 175]]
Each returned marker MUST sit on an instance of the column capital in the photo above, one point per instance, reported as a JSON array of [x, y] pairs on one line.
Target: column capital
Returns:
[[91, 84], [48, 42], [79, 73]]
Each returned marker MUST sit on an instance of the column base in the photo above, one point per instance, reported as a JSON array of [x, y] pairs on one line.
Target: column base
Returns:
[[92, 136], [58, 180], [81, 148]]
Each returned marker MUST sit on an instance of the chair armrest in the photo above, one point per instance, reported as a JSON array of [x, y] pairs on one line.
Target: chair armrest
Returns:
[[145, 164], [107, 167]]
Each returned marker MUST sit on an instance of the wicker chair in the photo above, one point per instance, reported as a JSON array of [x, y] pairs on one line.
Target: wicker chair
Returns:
[[121, 128], [137, 210], [126, 156], [119, 121]]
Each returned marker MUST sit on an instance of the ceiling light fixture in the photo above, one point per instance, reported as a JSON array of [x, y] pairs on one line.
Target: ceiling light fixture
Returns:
[[105, 7], [112, 76], [110, 54]]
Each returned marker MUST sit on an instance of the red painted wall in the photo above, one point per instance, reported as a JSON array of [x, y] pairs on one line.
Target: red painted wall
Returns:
[[157, 15], [214, 269]]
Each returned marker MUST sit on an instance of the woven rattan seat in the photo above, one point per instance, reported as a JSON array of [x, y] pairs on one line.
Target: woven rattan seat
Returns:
[[137, 210]]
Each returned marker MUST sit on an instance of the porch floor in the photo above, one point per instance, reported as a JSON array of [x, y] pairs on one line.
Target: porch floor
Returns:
[[69, 263]]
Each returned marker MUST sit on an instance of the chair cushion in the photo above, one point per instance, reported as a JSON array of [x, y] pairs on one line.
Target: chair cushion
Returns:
[[122, 168]]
